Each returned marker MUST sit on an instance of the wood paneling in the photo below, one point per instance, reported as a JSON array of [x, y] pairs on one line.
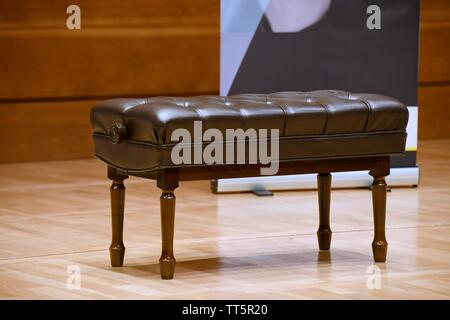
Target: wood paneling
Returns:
[[434, 41], [123, 48], [121, 63], [434, 54], [434, 112], [45, 131], [50, 76], [434, 70]]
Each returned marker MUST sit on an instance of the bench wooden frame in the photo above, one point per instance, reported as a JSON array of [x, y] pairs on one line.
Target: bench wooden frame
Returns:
[[167, 181]]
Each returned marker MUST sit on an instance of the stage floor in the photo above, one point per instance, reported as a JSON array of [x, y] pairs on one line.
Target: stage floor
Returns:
[[54, 219]]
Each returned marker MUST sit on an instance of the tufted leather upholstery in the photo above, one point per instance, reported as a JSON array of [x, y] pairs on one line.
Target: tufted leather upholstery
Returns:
[[317, 124]]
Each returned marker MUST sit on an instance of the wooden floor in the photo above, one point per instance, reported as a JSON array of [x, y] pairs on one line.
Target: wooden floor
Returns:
[[55, 215]]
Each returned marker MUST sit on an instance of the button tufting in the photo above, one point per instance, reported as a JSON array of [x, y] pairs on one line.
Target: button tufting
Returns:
[[315, 113]]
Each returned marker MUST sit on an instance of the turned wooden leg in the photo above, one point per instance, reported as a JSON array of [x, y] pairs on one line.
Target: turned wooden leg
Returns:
[[117, 249], [167, 260], [167, 182], [379, 244], [324, 190]]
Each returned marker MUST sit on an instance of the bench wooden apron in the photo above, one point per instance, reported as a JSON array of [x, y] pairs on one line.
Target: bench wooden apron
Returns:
[[318, 132]]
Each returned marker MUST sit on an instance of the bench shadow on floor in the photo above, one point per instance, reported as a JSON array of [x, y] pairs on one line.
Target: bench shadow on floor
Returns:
[[305, 259]]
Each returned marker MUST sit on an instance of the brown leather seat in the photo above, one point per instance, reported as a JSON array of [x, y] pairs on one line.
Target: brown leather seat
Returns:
[[312, 125]]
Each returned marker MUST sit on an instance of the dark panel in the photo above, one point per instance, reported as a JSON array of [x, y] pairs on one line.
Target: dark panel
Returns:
[[338, 52]]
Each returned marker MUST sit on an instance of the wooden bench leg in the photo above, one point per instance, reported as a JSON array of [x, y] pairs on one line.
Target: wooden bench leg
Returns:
[[167, 260], [117, 248], [324, 191], [379, 244], [167, 182]]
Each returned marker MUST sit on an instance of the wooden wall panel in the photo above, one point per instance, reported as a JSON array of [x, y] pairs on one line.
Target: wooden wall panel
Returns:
[[45, 131], [123, 48], [122, 63], [434, 54], [51, 76], [434, 112], [434, 41], [434, 70]]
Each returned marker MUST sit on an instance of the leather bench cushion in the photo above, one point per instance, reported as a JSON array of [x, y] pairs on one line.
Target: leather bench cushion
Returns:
[[293, 113], [317, 124]]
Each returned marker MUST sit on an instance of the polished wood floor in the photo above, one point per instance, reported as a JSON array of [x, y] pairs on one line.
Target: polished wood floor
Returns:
[[54, 216]]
